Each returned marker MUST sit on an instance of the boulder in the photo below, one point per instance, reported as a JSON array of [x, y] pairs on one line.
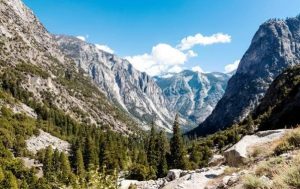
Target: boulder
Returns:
[[173, 174], [216, 160], [238, 154]]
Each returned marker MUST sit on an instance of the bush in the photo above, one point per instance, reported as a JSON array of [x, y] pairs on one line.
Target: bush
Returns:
[[253, 182], [283, 147], [141, 172], [294, 138]]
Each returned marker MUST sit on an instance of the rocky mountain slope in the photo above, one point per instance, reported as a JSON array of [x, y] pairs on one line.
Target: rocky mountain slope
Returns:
[[134, 91], [275, 47], [280, 106], [193, 94], [31, 60]]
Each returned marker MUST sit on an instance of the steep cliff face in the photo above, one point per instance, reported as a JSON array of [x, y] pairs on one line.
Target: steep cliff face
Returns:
[[31, 55], [275, 47], [134, 91], [193, 94]]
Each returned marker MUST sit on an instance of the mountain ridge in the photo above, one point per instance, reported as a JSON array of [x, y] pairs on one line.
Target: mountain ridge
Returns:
[[274, 47]]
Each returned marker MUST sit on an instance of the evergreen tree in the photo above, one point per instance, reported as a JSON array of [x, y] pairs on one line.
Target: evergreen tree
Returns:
[[152, 154], [65, 168], [79, 165], [56, 161], [161, 146], [250, 127], [178, 152], [11, 181], [48, 161], [90, 154]]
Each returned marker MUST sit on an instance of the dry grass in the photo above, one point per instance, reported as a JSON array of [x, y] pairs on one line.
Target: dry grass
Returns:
[[230, 170], [290, 141], [288, 175], [253, 182], [269, 168]]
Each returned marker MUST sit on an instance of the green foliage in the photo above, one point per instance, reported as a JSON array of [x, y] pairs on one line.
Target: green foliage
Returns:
[[177, 148], [141, 172], [31, 68], [100, 180]]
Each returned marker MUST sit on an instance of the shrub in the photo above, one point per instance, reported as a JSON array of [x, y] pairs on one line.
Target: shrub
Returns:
[[294, 138], [292, 177], [253, 182], [282, 148]]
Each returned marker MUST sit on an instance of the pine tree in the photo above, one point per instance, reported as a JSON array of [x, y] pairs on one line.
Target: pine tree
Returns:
[[11, 181], [178, 152], [48, 161], [161, 146], [152, 154], [250, 127], [90, 154], [56, 161], [65, 168], [79, 165]]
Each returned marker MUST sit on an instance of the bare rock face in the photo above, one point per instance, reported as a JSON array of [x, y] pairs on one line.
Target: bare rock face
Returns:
[[134, 91], [238, 154], [36, 143], [193, 94], [274, 48]]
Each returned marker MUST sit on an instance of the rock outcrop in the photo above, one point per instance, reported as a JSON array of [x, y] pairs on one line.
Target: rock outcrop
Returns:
[[43, 140], [238, 154], [274, 48]]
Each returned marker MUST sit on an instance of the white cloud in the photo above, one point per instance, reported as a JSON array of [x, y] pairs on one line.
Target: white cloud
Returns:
[[104, 48], [81, 37], [175, 69], [199, 39], [197, 69], [163, 58], [192, 53], [231, 67]]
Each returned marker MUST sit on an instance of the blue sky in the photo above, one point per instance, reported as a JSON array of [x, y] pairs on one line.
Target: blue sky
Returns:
[[149, 32]]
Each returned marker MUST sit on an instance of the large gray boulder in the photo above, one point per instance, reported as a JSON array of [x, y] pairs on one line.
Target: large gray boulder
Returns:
[[239, 153]]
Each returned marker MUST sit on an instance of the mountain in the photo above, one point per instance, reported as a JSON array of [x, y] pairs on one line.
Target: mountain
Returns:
[[280, 106], [193, 94], [274, 48], [32, 63], [134, 91]]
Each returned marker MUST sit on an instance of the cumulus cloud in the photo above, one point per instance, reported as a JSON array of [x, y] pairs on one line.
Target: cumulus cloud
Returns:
[[104, 48], [197, 69], [175, 69], [199, 39], [81, 37], [231, 67], [163, 58]]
